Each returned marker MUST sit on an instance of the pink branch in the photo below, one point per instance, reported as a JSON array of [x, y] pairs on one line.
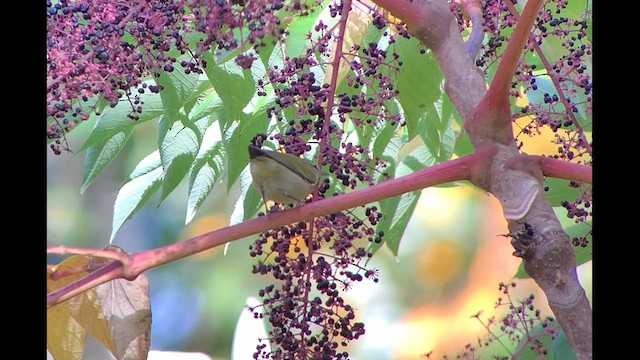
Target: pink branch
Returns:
[[564, 170], [556, 83], [491, 120], [453, 170], [108, 272], [501, 84]]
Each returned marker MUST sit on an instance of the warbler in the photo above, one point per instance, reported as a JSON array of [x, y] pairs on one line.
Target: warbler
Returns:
[[281, 177]]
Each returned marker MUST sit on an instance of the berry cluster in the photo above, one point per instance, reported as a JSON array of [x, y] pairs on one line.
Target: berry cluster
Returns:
[[569, 73], [313, 262], [104, 48], [316, 102]]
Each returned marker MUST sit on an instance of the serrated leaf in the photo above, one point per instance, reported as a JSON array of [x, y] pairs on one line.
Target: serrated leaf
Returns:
[[201, 181], [418, 81], [100, 155], [114, 120], [234, 85], [126, 307], [237, 139], [178, 149], [268, 56], [177, 86], [419, 158], [297, 32], [150, 163], [203, 89], [206, 106], [206, 171], [252, 199], [397, 211], [438, 134], [135, 193], [382, 139]]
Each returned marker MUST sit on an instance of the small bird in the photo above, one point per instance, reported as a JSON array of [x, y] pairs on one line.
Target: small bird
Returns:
[[281, 177]]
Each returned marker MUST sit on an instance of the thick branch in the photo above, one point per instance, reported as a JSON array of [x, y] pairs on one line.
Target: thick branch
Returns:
[[556, 83], [514, 178], [491, 120], [453, 170]]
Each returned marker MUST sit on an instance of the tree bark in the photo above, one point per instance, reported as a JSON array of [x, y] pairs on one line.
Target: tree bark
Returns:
[[514, 178]]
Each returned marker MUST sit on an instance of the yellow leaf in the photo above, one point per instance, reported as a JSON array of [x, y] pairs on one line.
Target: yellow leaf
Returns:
[[65, 336], [116, 313]]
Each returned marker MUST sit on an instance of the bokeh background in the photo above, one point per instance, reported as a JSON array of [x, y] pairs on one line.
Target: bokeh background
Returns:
[[450, 262]]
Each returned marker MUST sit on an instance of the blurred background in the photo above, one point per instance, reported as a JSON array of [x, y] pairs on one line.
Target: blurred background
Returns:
[[450, 263]]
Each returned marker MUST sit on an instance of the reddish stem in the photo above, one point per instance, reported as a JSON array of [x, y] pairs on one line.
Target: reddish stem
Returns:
[[556, 83], [453, 170], [564, 170]]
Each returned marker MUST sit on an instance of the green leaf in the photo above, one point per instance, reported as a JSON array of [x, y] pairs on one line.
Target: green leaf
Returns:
[[178, 148], [381, 131], [203, 89], [145, 181], [419, 81], [545, 86], [397, 213], [399, 209], [177, 86], [418, 159], [298, 29], [561, 348], [201, 181], [206, 106], [438, 134], [252, 201], [559, 190], [100, 155], [382, 139], [114, 120], [234, 85], [206, 171], [236, 139]]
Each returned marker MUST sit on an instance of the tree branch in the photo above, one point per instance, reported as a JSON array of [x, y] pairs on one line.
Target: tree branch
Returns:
[[514, 178], [564, 170], [556, 83], [135, 264]]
